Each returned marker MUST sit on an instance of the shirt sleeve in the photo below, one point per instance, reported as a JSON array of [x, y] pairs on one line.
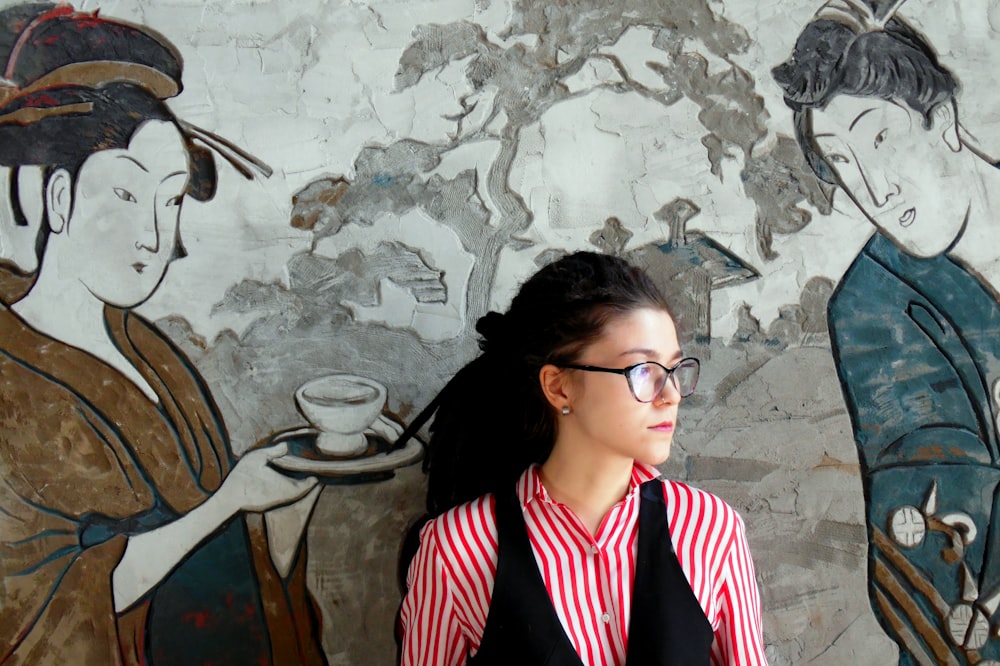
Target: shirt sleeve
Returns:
[[739, 639], [432, 633]]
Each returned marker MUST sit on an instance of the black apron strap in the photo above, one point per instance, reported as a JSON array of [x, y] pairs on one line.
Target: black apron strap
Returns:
[[522, 627], [668, 625]]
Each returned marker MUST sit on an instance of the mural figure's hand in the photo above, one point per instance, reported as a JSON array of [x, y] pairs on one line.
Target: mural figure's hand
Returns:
[[252, 485], [255, 485]]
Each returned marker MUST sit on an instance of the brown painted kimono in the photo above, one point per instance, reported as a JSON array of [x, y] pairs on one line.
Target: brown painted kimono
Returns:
[[86, 459]]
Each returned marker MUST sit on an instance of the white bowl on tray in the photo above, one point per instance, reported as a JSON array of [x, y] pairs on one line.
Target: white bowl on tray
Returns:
[[341, 407]]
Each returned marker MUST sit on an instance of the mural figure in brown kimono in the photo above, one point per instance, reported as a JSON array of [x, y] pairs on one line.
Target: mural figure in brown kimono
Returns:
[[129, 531], [914, 328]]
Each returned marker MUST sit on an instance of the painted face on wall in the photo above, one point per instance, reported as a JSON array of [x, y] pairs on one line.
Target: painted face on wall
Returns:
[[912, 183], [123, 226]]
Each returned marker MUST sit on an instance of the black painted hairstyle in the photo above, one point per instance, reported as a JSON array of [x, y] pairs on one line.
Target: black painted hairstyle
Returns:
[[75, 83], [492, 420], [116, 112], [831, 58]]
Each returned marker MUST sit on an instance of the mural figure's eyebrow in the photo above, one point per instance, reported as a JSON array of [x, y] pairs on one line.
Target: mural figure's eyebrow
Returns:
[[859, 116], [135, 161]]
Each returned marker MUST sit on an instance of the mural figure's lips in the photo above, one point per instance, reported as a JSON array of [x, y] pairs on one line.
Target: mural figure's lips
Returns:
[[139, 267], [907, 218]]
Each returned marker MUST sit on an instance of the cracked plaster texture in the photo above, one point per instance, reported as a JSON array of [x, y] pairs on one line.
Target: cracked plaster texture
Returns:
[[311, 86]]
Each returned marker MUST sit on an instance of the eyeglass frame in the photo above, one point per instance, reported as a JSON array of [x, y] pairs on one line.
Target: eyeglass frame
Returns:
[[628, 377]]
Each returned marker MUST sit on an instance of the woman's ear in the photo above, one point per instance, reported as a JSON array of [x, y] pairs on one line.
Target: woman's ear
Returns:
[[946, 121], [556, 386], [59, 200]]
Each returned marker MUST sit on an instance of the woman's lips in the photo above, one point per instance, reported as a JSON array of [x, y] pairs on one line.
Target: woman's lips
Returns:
[[907, 218], [666, 426]]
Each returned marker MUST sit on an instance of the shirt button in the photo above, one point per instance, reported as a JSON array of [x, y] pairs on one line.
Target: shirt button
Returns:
[[593, 549], [606, 618]]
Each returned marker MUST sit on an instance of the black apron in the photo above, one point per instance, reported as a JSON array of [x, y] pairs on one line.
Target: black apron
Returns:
[[668, 625]]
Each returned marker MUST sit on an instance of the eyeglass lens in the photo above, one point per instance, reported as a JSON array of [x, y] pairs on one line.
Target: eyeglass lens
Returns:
[[648, 379]]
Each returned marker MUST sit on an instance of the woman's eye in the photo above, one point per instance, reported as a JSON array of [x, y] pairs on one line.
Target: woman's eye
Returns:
[[641, 373], [124, 195], [880, 137]]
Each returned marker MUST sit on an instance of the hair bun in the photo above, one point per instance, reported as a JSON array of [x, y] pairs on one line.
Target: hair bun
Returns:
[[493, 327]]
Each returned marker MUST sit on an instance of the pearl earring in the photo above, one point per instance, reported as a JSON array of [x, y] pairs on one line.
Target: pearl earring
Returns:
[[565, 410]]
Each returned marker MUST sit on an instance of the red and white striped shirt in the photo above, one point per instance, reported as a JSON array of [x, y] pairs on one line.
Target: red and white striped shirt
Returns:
[[588, 577]]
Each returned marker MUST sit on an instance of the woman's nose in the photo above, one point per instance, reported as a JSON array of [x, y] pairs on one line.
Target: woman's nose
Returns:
[[149, 238], [669, 395], [883, 186]]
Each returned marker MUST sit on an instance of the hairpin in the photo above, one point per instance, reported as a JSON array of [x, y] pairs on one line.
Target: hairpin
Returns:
[[240, 159]]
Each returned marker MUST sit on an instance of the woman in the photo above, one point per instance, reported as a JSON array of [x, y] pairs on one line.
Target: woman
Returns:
[[566, 558], [129, 533]]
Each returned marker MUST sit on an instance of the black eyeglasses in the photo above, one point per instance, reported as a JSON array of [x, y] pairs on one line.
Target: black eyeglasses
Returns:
[[647, 380]]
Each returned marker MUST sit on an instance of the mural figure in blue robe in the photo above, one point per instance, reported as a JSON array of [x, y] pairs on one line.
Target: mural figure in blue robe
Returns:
[[915, 331]]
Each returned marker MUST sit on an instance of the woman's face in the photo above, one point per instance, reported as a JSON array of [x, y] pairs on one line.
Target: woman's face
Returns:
[[605, 417], [907, 180], [123, 226]]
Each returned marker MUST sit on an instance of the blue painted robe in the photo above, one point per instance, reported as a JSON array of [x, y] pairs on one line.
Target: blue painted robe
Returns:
[[917, 348]]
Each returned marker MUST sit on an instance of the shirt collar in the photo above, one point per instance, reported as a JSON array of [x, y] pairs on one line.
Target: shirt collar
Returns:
[[530, 487]]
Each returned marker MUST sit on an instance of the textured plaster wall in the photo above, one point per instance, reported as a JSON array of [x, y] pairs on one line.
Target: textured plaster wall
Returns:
[[428, 154]]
